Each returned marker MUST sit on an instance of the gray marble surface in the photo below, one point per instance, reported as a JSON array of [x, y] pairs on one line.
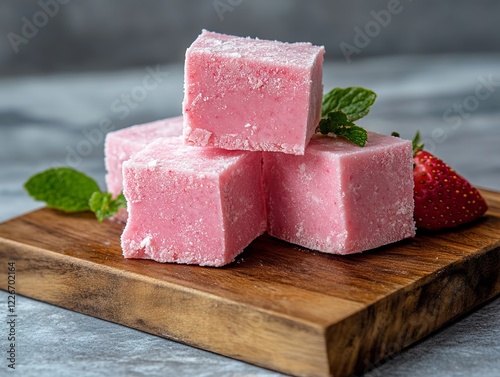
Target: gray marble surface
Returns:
[[54, 120]]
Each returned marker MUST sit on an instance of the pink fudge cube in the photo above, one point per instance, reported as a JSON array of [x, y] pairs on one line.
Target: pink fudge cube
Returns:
[[192, 205], [340, 198], [122, 144], [247, 94]]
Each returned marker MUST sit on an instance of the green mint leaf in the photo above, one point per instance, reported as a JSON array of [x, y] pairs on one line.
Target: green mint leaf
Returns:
[[119, 202], [337, 122], [354, 102], [340, 108], [333, 122], [99, 204], [62, 188], [417, 143], [354, 134], [72, 191], [104, 206]]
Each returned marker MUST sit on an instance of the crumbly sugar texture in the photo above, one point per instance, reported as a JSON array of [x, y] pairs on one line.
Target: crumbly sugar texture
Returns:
[[122, 144], [251, 94], [340, 198], [192, 205]]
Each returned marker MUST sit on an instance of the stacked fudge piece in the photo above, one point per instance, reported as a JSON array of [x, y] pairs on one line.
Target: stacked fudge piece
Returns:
[[254, 95], [248, 161]]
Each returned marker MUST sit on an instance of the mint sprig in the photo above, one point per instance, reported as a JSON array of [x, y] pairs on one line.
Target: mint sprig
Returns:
[[69, 190], [340, 108], [104, 206], [336, 122]]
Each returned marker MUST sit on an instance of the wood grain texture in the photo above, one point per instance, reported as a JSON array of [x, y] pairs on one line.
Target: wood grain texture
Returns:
[[278, 306]]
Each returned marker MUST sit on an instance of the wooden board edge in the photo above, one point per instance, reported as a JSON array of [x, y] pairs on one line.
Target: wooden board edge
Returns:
[[427, 305], [222, 326]]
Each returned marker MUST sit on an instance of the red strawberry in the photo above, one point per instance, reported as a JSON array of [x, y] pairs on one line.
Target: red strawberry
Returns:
[[443, 199]]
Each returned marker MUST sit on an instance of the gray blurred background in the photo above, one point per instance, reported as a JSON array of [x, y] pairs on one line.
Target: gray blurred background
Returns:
[[115, 34]]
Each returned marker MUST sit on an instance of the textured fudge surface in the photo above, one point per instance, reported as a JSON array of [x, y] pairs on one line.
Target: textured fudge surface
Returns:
[[340, 198], [248, 94], [192, 205], [122, 144]]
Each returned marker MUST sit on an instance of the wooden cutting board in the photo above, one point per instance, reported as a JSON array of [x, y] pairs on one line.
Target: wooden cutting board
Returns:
[[278, 306]]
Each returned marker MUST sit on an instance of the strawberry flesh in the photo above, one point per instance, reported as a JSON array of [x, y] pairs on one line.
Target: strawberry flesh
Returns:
[[443, 199]]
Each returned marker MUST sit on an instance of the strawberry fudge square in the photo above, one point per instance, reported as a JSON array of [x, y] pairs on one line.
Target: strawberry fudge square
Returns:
[[122, 144], [251, 94], [340, 198], [192, 205]]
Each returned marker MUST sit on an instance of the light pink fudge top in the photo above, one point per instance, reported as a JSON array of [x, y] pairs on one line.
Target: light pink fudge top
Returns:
[[195, 160], [288, 55], [122, 144]]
